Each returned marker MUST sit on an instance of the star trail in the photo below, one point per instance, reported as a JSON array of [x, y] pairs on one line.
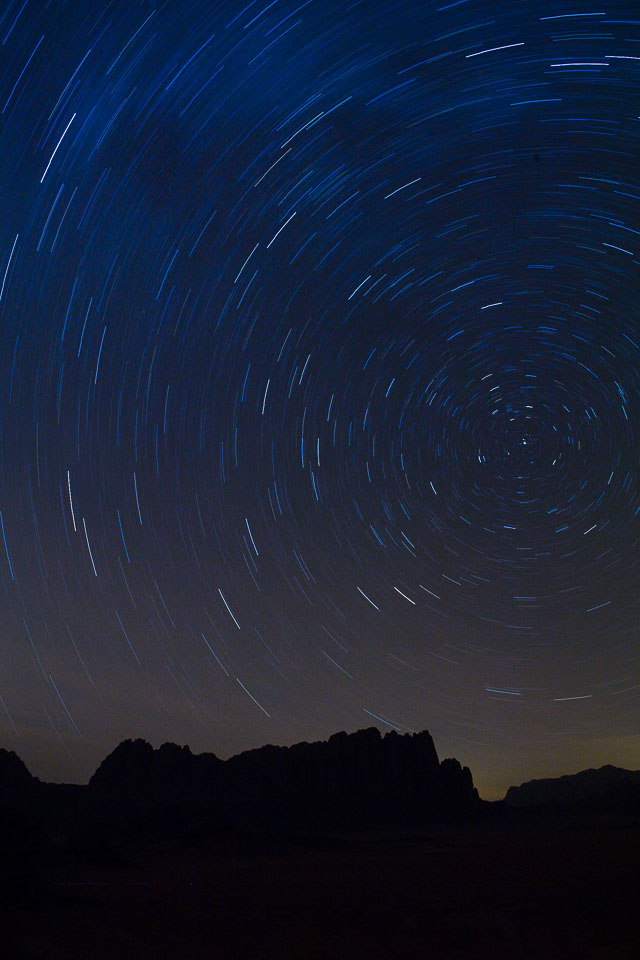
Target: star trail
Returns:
[[320, 397]]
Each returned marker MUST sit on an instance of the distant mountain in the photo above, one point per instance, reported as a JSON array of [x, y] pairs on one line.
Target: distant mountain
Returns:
[[351, 781], [609, 789]]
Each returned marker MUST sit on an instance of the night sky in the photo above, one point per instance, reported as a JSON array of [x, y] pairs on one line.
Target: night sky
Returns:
[[319, 407]]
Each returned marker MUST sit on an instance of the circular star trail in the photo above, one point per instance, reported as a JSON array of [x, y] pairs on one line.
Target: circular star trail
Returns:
[[320, 398]]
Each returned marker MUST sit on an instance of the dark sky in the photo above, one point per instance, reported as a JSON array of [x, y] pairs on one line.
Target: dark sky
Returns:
[[319, 406]]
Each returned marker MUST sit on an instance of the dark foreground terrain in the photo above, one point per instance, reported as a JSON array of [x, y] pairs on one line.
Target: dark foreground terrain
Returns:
[[536, 891], [361, 846]]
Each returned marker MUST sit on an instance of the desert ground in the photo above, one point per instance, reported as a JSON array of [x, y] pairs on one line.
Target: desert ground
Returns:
[[541, 891]]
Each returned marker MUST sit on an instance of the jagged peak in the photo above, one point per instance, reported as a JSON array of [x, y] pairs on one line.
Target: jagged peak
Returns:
[[173, 749]]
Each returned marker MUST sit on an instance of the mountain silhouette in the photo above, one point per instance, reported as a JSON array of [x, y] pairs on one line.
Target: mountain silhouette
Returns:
[[608, 789], [358, 780], [362, 778]]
